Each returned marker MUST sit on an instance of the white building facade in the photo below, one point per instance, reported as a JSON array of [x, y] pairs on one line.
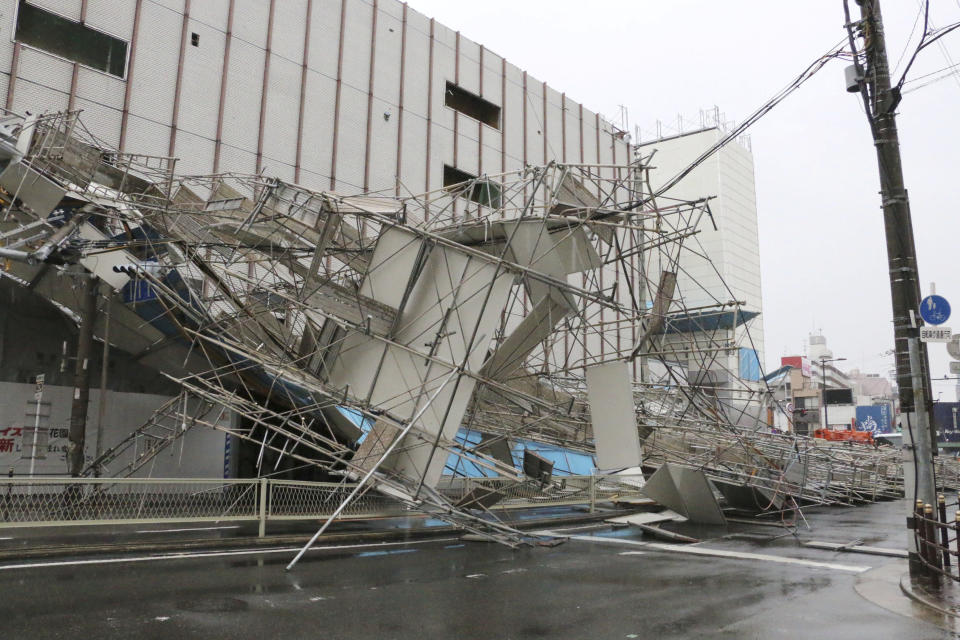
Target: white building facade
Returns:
[[722, 262], [348, 95]]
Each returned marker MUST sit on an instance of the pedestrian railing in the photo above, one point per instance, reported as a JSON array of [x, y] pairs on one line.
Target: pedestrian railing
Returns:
[[44, 502]]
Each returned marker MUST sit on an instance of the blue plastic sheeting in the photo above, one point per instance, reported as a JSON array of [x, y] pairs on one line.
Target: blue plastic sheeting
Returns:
[[749, 365], [357, 418], [565, 462], [707, 321]]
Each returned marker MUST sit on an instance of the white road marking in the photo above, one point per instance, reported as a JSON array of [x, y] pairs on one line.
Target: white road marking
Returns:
[[477, 575], [7, 538], [236, 526], [208, 554], [162, 618], [740, 555]]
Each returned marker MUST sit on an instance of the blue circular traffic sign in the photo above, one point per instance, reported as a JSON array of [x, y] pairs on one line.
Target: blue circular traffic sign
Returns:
[[934, 310]]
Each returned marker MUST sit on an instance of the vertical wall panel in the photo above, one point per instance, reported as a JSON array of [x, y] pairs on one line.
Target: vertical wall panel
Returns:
[[534, 121], [66, 8], [101, 121], [112, 16], [469, 65], [317, 126], [211, 13], [147, 136], [554, 120], [289, 22], [250, 23], [200, 88], [283, 109], [513, 129], [158, 51], [352, 139], [417, 58], [356, 45], [241, 113], [324, 37], [572, 131]]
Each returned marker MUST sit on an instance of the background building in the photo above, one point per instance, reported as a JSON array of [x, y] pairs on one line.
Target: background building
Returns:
[[721, 264]]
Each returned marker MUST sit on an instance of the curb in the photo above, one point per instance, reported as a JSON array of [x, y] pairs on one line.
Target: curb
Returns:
[[922, 597], [53, 551]]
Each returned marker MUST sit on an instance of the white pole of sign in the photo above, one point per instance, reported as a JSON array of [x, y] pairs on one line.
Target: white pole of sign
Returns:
[[38, 396]]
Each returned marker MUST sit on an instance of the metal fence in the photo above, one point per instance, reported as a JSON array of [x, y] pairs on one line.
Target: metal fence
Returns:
[[45, 502]]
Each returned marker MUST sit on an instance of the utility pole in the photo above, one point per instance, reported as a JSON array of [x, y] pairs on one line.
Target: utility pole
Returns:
[[81, 377], [913, 377]]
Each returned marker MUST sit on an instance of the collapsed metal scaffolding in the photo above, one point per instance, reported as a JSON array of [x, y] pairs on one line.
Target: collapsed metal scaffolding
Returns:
[[378, 337]]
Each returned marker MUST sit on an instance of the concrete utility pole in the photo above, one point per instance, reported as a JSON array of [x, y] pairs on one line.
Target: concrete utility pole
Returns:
[[81, 377], [913, 377]]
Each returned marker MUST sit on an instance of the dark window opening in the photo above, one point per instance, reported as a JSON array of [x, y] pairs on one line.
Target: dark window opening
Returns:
[[472, 105], [481, 191], [70, 40], [195, 39]]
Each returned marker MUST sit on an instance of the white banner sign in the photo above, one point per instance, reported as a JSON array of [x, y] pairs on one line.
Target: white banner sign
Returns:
[[935, 334]]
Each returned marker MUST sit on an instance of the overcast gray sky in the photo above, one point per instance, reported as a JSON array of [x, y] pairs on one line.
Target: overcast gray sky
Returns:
[[822, 244]]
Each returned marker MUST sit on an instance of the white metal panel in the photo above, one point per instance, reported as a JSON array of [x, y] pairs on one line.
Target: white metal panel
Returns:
[[45, 69], [112, 16], [241, 113], [383, 147], [351, 142], [100, 87], [512, 118], [468, 146], [289, 23], [589, 137], [211, 13], [250, 19], [194, 154], [386, 71], [534, 121], [237, 160], [158, 52], [66, 8], [413, 159], [172, 5], [325, 37], [101, 121], [554, 119], [283, 111], [147, 137], [572, 130], [318, 125], [416, 64], [469, 65], [200, 88], [356, 44], [449, 280], [43, 82], [492, 75]]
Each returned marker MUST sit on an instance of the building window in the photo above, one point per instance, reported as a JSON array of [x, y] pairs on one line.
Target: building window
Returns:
[[472, 105], [70, 40], [480, 191]]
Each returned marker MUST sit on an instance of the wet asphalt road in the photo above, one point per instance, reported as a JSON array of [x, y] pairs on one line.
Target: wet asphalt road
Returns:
[[585, 588]]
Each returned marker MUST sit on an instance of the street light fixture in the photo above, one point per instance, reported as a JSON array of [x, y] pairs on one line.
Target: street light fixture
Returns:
[[823, 387]]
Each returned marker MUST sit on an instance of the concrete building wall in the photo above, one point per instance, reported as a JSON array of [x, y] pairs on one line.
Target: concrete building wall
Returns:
[[733, 270], [341, 94], [200, 453]]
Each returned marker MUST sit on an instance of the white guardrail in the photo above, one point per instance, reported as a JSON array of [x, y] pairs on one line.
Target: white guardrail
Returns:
[[54, 502]]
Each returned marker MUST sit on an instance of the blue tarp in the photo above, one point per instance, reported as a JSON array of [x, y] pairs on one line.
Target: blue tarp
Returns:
[[749, 365]]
